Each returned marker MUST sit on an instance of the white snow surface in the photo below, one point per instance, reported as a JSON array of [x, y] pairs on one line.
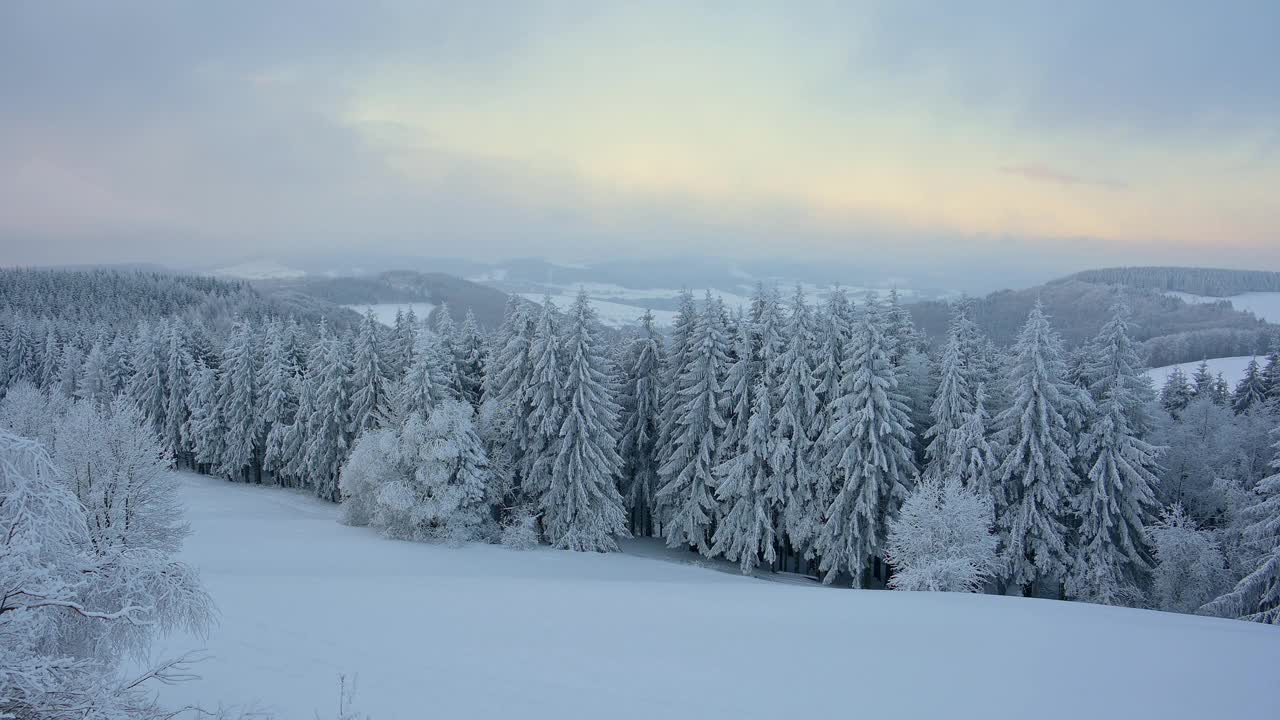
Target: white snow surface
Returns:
[[611, 314], [1264, 305], [385, 313], [1232, 369], [486, 632]]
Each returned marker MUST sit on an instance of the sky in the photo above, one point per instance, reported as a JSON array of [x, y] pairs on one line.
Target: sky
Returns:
[[1063, 134]]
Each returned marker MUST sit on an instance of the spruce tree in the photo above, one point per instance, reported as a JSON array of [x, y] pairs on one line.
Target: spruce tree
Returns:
[[973, 460], [1036, 473], [471, 364], [1257, 596], [835, 334], [426, 383], [1117, 502], [95, 380], [146, 387], [1202, 380], [1250, 391], [1113, 365], [868, 452], [329, 425], [50, 354], [178, 375], [279, 398], [581, 507], [544, 395], [1271, 375], [370, 378], [686, 502], [1176, 393], [795, 416], [238, 396], [641, 417], [953, 402], [683, 330], [70, 369], [446, 338], [205, 431], [505, 406]]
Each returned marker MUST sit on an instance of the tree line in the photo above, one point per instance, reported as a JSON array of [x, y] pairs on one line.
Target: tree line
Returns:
[[778, 435]]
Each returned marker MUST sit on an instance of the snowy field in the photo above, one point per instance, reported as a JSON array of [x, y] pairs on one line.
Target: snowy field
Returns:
[[1264, 305], [611, 314], [385, 313], [485, 632], [1232, 369]]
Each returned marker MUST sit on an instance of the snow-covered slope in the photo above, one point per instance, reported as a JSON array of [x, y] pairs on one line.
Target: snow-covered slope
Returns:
[[1232, 369], [385, 313], [486, 632], [1265, 305]]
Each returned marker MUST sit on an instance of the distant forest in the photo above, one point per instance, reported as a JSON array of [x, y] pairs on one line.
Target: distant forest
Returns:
[[1168, 330], [1211, 282]]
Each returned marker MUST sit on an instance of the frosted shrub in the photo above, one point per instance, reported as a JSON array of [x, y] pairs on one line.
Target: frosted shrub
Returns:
[[942, 539], [520, 531], [1190, 569]]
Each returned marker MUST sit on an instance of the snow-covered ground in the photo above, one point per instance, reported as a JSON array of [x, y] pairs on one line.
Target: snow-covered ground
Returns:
[[611, 314], [1265, 305], [485, 632], [385, 313], [1232, 369]]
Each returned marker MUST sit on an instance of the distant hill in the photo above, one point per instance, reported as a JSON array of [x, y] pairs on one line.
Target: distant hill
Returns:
[[399, 286], [1211, 282], [1171, 331]]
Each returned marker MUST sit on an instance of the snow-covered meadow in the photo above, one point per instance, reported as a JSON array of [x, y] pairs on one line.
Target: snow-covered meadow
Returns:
[[484, 631], [1232, 369], [385, 313], [1265, 305]]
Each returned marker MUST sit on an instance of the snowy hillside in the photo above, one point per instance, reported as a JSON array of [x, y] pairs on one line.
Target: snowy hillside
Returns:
[[484, 632], [385, 313], [1265, 305], [1232, 369]]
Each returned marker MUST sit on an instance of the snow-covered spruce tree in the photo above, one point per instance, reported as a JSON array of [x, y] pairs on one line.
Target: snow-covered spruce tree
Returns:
[[953, 401], [329, 425], [899, 329], [279, 395], [147, 385], [1271, 373], [293, 438], [62, 634], [1113, 362], [20, 359], [835, 333], [794, 428], [942, 539], [1117, 501], [868, 452], [472, 353], [50, 352], [239, 405], [973, 460], [504, 409], [425, 385], [204, 431], [178, 379], [1251, 390], [748, 489], [1202, 380], [1176, 393], [1257, 596], [686, 501], [404, 339], [447, 337], [370, 378], [119, 351], [544, 395], [1036, 473], [582, 509], [70, 369], [95, 379], [641, 414], [683, 329], [751, 494], [1190, 567]]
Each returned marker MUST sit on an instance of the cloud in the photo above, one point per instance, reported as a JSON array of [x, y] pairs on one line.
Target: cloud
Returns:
[[1044, 173]]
